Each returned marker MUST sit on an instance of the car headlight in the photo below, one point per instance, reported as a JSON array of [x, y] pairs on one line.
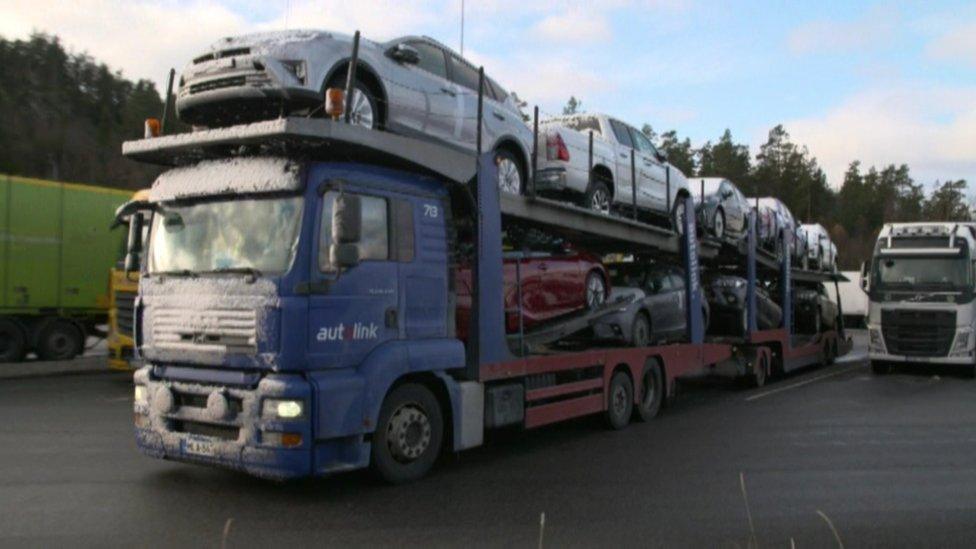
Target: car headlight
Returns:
[[961, 345], [276, 408], [876, 341], [141, 395]]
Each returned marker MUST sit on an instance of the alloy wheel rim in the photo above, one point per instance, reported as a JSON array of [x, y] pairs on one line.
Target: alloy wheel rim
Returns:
[[361, 111], [595, 292], [509, 179], [719, 226], [408, 433], [600, 201], [619, 400]]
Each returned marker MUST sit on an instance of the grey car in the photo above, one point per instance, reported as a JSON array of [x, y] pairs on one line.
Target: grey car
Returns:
[[411, 85], [721, 207], [657, 312], [727, 299]]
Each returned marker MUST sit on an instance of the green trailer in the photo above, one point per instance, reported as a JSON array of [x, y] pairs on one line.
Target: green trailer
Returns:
[[56, 250]]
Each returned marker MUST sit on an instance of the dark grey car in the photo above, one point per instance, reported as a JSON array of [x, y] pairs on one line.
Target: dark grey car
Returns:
[[814, 311], [722, 209], [657, 313], [411, 85], [727, 300]]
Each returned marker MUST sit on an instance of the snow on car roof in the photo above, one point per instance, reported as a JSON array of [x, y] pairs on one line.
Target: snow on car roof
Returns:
[[239, 175]]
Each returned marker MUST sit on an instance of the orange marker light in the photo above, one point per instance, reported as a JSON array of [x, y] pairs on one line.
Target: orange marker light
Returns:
[[334, 102], [290, 440], [152, 128]]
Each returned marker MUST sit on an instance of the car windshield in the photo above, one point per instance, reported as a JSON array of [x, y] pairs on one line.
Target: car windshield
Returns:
[[627, 276], [923, 272], [258, 234]]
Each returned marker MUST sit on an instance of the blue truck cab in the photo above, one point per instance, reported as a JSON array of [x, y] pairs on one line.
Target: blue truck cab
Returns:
[[283, 303]]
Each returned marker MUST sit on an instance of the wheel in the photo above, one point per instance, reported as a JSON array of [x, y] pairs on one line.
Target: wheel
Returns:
[[408, 435], [509, 172], [718, 224], [60, 340], [830, 354], [363, 107], [13, 341], [760, 372], [678, 215], [597, 197], [640, 332], [880, 368], [596, 290], [620, 401], [653, 394]]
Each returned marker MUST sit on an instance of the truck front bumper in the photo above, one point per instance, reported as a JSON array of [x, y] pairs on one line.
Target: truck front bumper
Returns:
[[226, 426], [962, 352]]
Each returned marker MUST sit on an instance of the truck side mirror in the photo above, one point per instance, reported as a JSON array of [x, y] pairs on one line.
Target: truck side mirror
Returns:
[[133, 249], [347, 224]]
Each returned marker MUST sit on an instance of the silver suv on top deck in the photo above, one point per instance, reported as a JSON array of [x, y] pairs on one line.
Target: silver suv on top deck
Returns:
[[411, 85]]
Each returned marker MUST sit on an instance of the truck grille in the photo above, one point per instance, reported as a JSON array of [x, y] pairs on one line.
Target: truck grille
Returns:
[[918, 333], [218, 330], [125, 302]]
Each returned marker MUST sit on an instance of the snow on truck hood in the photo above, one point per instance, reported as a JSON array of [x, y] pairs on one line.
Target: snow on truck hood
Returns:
[[227, 176]]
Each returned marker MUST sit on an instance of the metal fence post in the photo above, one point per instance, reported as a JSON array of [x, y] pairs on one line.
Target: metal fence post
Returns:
[[351, 76], [535, 149], [589, 162], [633, 182]]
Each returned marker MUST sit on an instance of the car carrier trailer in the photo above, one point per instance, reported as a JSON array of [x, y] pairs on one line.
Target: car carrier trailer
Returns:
[[300, 372]]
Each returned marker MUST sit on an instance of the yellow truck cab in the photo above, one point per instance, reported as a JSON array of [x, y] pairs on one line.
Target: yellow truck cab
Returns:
[[123, 288]]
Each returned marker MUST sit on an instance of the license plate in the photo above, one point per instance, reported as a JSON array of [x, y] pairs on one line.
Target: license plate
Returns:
[[199, 447]]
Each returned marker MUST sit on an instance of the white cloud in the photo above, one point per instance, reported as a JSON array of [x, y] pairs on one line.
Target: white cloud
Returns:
[[931, 129], [549, 84], [574, 27], [876, 29], [959, 44]]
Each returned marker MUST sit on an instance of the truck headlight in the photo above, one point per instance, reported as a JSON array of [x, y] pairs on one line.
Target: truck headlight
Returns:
[[876, 341], [961, 345], [141, 395], [276, 408]]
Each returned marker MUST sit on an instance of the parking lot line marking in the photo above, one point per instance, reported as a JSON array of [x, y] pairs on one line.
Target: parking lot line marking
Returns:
[[794, 385]]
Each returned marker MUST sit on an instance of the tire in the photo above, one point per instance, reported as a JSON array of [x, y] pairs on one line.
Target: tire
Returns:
[[620, 401], [880, 368], [761, 372], [653, 394], [678, 214], [718, 224], [640, 331], [363, 104], [13, 341], [511, 178], [59, 340], [409, 434], [830, 354], [597, 197], [596, 290]]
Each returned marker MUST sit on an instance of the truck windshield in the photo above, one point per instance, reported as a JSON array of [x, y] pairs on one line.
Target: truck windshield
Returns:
[[258, 234], [919, 273]]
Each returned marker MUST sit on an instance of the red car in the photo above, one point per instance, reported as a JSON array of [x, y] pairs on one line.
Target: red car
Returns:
[[553, 285]]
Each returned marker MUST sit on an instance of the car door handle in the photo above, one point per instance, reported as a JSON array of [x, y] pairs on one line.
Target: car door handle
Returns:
[[498, 115], [449, 91], [624, 155]]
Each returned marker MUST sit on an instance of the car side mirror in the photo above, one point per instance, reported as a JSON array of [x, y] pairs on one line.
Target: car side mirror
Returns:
[[347, 224], [403, 53], [133, 248], [661, 156]]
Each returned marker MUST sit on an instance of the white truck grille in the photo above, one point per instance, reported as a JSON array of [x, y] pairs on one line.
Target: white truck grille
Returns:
[[215, 330]]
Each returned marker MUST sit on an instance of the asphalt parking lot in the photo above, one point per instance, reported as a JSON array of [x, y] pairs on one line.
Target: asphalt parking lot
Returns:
[[827, 458]]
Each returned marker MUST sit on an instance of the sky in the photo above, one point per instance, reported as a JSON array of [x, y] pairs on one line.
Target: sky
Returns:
[[891, 82]]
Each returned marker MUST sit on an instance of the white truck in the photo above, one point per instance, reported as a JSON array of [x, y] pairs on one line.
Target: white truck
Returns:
[[920, 290], [601, 178]]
